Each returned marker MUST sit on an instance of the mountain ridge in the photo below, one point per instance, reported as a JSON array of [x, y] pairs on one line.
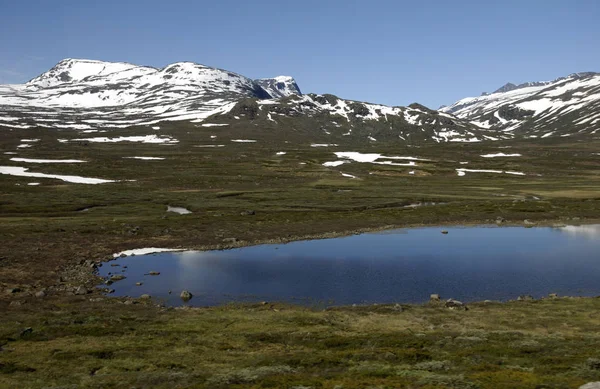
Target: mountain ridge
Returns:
[[87, 94], [561, 107]]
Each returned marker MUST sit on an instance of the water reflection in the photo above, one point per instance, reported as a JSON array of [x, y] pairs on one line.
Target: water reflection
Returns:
[[406, 266], [590, 231]]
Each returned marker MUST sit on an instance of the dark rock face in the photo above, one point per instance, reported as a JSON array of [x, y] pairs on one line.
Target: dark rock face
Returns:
[[279, 86]]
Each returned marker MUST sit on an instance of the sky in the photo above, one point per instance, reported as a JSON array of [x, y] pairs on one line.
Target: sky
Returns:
[[389, 52]]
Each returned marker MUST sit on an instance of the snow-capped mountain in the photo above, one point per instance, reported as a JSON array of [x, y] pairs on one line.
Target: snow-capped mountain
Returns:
[[87, 94], [563, 107]]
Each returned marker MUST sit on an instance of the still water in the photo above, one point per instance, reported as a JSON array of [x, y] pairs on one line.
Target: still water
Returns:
[[405, 266]]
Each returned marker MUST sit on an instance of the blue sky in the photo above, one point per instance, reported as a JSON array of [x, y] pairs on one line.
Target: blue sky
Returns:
[[389, 52]]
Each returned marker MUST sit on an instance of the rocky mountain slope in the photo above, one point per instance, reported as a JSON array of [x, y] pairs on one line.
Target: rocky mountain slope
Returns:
[[563, 107]]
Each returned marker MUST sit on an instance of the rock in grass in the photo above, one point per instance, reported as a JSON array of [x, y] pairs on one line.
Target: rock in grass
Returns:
[[12, 290], [26, 332], [525, 297], [185, 295], [117, 277], [455, 305], [40, 294], [553, 295], [591, 385], [434, 297], [81, 290], [248, 212]]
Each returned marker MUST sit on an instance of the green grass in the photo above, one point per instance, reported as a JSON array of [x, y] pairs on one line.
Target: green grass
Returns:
[[46, 241], [550, 343]]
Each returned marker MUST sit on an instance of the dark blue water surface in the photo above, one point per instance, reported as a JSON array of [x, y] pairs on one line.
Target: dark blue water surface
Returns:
[[406, 266]]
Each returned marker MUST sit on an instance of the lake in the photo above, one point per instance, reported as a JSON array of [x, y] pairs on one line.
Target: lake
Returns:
[[398, 266]]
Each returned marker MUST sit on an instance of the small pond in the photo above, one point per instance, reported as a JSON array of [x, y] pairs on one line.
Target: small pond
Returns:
[[404, 266]]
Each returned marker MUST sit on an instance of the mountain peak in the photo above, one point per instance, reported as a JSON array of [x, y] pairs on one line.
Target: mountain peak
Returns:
[[506, 88], [280, 86], [71, 70]]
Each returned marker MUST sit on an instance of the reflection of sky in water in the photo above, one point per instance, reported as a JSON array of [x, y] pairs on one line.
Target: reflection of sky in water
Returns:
[[590, 232], [468, 263]]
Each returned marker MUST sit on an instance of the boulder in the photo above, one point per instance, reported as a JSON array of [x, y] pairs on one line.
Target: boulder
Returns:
[[81, 290], [139, 283], [185, 295], [525, 297], [445, 232], [553, 295], [145, 297], [591, 385], [154, 273], [117, 277], [455, 305], [26, 332], [40, 294], [435, 297]]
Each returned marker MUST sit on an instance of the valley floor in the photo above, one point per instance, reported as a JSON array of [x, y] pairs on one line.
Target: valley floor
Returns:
[[54, 233]]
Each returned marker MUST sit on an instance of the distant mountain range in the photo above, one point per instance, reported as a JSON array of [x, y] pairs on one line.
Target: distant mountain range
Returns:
[[87, 94], [563, 107]]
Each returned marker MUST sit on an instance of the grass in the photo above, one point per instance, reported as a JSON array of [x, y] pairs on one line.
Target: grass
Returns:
[[51, 233], [549, 343]]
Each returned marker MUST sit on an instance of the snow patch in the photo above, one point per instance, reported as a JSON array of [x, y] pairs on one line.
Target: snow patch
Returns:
[[47, 160], [137, 139], [500, 155], [335, 163], [144, 251], [22, 172], [179, 210], [461, 172], [145, 158]]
